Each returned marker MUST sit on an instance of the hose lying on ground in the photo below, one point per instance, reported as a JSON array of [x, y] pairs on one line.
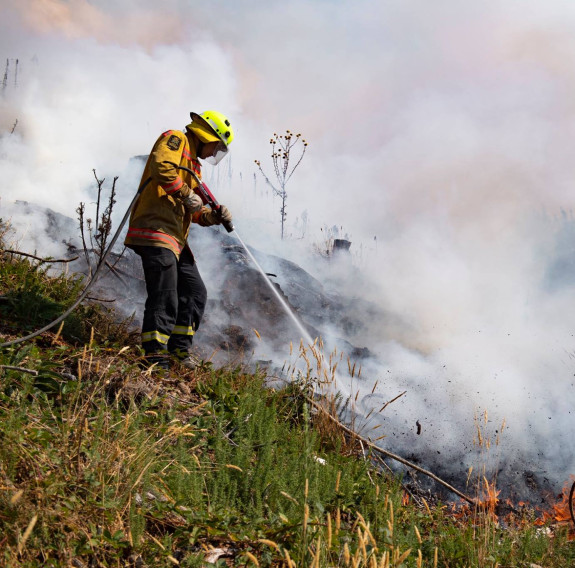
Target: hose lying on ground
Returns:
[[92, 281]]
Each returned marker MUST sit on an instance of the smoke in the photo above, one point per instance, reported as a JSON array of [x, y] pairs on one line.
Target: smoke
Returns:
[[440, 142]]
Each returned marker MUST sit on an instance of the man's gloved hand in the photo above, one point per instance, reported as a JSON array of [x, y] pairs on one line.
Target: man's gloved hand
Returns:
[[193, 203], [223, 215]]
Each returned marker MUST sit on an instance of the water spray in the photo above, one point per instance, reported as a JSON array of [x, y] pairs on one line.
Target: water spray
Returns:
[[286, 307], [351, 432], [209, 199]]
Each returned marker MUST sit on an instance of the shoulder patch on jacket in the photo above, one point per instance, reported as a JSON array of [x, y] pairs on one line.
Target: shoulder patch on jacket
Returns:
[[174, 142]]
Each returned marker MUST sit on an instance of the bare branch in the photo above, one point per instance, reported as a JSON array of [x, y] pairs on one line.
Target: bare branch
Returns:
[[80, 210], [100, 182], [102, 300], [298, 162], [42, 260], [100, 230], [20, 369]]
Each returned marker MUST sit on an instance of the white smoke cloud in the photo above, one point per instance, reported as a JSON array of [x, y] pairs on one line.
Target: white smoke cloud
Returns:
[[440, 140]]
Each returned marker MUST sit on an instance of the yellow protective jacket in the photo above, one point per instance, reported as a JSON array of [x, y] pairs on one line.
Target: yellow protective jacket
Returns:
[[159, 218]]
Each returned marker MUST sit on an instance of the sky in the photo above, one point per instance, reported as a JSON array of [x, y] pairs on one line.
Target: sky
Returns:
[[440, 142]]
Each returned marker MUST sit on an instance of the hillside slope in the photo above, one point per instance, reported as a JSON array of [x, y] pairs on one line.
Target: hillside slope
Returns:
[[102, 464]]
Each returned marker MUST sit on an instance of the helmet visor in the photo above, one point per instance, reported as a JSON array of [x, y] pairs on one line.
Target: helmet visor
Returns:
[[219, 153]]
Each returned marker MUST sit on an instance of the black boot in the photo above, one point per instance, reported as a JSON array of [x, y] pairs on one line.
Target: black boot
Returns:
[[156, 363], [186, 359]]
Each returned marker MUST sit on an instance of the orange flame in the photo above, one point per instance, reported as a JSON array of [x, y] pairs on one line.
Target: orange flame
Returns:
[[560, 512], [487, 501], [489, 497]]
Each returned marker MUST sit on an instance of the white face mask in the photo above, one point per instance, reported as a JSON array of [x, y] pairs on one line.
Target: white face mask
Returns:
[[219, 153]]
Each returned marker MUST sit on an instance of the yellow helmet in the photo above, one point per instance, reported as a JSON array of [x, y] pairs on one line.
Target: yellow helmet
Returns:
[[218, 123]]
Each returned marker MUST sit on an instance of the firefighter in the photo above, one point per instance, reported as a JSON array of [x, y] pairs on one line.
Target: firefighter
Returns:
[[159, 226]]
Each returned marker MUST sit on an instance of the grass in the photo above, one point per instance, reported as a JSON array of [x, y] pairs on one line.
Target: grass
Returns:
[[31, 297], [101, 465]]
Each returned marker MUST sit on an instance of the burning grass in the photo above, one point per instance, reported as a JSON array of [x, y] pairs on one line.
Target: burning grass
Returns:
[[561, 511]]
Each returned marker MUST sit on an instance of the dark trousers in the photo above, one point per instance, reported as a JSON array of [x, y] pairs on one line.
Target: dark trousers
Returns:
[[176, 300]]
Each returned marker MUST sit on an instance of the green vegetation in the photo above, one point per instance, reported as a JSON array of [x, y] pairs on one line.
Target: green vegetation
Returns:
[[102, 464], [32, 295]]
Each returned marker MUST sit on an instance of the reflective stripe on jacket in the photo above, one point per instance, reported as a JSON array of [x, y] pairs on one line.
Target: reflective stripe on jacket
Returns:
[[159, 217]]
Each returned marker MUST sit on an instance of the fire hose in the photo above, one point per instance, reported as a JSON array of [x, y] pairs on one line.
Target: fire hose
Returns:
[[206, 195], [207, 198], [92, 281]]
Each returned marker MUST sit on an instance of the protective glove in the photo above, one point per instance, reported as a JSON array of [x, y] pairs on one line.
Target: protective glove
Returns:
[[192, 203], [225, 214], [212, 217]]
